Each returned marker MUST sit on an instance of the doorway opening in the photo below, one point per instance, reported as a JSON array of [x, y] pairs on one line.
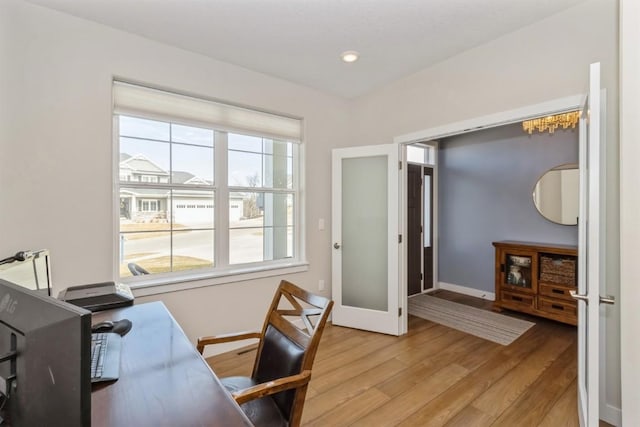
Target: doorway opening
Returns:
[[432, 138], [421, 167]]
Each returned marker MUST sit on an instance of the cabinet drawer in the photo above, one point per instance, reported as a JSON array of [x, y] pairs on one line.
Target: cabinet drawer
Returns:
[[561, 307], [516, 300], [555, 291]]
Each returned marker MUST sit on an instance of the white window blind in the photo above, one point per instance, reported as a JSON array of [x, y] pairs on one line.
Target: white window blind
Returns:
[[136, 100]]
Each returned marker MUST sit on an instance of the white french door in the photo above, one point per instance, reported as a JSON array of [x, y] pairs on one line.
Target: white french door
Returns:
[[591, 235], [365, 238]]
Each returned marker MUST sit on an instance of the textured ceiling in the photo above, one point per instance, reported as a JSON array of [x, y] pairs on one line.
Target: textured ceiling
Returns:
[[301, 40]]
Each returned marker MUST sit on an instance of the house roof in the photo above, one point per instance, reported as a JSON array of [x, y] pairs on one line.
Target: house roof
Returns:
[[139, 163]]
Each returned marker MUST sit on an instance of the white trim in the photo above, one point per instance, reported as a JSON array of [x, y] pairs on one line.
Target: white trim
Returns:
[[403, 286], [555, 106], [221, 214], [155, 286], [467, 291], [611, 414], [629, 294]]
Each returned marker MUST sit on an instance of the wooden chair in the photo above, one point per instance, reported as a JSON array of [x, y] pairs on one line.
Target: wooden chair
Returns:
[[274, 394]]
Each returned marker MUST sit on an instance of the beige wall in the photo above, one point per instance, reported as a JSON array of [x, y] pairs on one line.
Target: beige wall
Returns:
[[544, 61], [55, 163]]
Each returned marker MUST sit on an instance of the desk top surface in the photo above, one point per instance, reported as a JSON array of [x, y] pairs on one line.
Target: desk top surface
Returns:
[[163, 379]]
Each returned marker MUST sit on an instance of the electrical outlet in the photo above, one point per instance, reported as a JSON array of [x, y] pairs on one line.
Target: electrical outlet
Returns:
[[321, 285]]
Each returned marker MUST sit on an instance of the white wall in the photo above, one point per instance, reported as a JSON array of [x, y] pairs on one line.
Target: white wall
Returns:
[[547, 60], [629, 207], [56, 151]]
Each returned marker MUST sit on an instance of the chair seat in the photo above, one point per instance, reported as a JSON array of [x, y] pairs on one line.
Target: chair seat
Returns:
[[262, 412]]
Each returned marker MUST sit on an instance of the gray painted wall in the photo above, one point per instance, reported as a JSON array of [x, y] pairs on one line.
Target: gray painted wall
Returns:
[[486, 179]]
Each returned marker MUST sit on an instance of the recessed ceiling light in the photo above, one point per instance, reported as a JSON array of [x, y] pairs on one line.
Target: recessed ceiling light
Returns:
[[350, 56]]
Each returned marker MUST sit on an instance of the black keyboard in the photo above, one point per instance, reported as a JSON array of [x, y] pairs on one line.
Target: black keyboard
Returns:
[[105, 356]]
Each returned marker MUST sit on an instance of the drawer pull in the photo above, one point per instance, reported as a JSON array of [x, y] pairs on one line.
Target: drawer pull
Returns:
[[557, 291], [557, 307]]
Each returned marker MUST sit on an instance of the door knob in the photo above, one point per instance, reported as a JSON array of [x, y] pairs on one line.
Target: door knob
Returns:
[[607, 299], [336, 245], [576, 295]]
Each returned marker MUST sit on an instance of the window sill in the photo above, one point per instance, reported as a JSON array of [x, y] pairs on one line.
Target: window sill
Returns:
[[160, 285]]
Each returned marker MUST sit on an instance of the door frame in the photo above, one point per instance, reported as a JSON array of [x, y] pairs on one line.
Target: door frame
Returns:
[[629, 205], [429, 137]]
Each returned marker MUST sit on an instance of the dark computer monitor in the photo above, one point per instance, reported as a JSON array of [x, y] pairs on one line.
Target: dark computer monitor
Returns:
[[45, 347]]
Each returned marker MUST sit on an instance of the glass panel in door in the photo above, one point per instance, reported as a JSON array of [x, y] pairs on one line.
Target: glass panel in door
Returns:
[[364, 232]]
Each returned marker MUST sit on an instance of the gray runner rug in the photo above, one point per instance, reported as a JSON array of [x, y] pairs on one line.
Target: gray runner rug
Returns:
[[481, 323]]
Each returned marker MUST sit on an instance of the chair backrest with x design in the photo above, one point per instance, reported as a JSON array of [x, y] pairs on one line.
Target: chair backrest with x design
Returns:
[[290, 338]]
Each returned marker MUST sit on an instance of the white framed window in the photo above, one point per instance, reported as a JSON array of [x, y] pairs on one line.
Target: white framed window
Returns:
[[209, 196], [421, 154]]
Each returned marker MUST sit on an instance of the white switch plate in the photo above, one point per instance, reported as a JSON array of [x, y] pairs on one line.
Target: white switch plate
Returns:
[[321, 224], [321, 285]]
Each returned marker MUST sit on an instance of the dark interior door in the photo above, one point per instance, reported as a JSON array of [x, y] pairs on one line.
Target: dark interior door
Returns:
[[414, 229], [427, 252]]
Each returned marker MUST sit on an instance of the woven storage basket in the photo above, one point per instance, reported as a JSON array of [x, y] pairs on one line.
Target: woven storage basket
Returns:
[[558, 270]]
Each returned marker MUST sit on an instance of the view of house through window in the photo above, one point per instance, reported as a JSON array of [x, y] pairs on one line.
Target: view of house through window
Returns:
[[171, 207]]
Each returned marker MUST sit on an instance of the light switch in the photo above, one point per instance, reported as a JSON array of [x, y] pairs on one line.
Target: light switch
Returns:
[[321, 224]]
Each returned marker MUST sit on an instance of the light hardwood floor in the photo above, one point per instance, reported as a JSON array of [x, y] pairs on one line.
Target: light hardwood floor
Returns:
[[437, 376]]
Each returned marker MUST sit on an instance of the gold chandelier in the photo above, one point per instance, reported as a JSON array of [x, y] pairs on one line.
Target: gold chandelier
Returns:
[[551, 123]]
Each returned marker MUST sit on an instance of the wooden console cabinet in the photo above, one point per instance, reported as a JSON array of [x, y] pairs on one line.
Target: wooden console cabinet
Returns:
[[536, 278]]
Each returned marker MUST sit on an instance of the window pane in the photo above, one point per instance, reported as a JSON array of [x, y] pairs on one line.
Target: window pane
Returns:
[[263, 230], [245, 169], [149, 250], [192, 135], [415, 154], [152, 251], [192, 209], [143, 209], [192, 249], [245, 245], [144, 161], [427, 212], [244, 143], [278, 171], [261, 163], [192, 165], [277, 209], [143, 128]]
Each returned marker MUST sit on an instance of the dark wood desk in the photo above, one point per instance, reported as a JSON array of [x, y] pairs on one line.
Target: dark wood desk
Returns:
[[163, 379]]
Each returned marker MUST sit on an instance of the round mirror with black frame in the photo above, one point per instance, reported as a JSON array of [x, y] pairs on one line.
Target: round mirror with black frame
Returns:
[[556, 194]]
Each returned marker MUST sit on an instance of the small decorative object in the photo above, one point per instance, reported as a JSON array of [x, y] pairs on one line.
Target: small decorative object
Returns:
[[515, 275], [521, 261]]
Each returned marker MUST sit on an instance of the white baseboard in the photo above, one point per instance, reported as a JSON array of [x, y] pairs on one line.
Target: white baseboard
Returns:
[[611, 414], [467, 291]]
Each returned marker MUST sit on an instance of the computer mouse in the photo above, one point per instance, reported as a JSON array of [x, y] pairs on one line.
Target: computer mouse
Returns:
[[122, 326], [106, 326]]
